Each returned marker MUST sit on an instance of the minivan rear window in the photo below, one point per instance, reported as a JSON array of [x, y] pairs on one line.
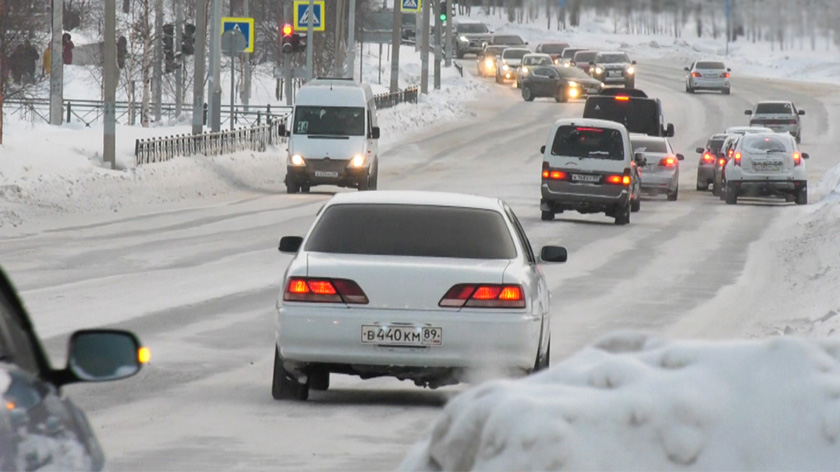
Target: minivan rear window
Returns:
[[412, 230], [588, 142], [329, 121]]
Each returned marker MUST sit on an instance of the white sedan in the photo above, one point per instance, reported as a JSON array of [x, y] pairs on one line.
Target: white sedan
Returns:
[[420, 286]]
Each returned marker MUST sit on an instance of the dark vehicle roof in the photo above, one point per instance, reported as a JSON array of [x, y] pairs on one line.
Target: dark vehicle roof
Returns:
[[638, 115]]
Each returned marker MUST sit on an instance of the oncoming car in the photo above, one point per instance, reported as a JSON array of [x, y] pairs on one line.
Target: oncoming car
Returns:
[[476, 301], [767, 165], [529, 61], [471, 36], [507, 66], [661, 173], [561, 83], [486, 62], [614, 67], [589, 167]]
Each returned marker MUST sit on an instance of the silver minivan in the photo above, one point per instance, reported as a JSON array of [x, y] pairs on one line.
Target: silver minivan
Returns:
[[780, 116], [589, 167], [332, 136]]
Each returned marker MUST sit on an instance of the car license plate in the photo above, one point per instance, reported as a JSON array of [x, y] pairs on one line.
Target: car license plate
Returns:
[[325, 173], [615, 73], [592, 91], [586, 178], [768, 167], [402, 335]]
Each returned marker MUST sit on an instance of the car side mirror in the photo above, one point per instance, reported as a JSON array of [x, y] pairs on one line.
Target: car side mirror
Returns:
[[290, 244], [699, 150], [805, 155], [554, 254], [728, 69], [748, 112], [526, 42], [669, 131], [633, 62], [801, 112], [572, 63], [542, 149], [640, 159], [103, 354], [374, 132], [680, 157], [686, 69]]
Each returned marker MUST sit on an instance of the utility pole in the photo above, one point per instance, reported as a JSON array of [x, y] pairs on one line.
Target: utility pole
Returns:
[[418, 27], [57, 63], [199, 58], [158, 54], [310, 39], [424, 54], [110, 81], [246, 68], [449, 43], [351, 41], [395, 47], [438, 52], [178, 40], [215, 92]]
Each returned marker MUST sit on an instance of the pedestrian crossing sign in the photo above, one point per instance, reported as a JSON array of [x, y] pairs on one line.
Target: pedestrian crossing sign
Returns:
[[410, 6], [302, 15]]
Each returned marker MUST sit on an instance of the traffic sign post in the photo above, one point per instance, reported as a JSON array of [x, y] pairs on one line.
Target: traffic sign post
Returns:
[[302, 15], [233, 44], [410, 6], [245, 26]]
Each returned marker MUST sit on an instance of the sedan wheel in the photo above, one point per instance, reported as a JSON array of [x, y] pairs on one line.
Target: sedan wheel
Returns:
[[731, 194], [527, 94], [672, 196], [284, 386]]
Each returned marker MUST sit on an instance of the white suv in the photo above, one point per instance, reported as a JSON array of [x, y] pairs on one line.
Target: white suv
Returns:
[[768, 164]]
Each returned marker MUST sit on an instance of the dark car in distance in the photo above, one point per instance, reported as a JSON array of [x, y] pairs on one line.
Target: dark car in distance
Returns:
[[614, 68], [40, 427], [561, 83], [552, 49]]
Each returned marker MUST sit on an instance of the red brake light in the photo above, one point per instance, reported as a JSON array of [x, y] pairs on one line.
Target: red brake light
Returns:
[[730, 152], [695, 74], [797, 159], [484, 296], [726, 75], [622, 98], [722, 162], [305, 289], [554, 174], [792, 122], [737, 158], [594, 130], [668, 162], [708, 157], [618, 179], [287, 29]]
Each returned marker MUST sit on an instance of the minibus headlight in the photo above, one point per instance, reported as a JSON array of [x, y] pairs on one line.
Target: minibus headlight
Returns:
[[297, 160], [357, 161]]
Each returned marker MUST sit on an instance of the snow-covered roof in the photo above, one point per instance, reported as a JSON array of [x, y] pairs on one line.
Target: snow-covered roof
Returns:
[[632, 401], [412, 197]]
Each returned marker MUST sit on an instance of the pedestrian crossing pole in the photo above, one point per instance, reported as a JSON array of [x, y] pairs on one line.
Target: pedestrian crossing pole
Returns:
[[310, 38]]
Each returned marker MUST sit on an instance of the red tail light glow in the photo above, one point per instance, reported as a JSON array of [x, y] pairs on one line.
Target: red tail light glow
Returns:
[[618, 179], [554, 174], [622, 98], [695, 74], [737, 158], [593, 130], [484, 296], [797, 159], [708, 157], [792, 122], [668, 162], [722, 162], [320, 290], [726, 75]]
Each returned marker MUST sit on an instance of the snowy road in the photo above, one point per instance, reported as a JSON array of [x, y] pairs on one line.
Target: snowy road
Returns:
[[198, 284]]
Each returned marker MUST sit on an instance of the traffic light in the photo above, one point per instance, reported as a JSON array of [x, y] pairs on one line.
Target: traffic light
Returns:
[[287, 38], [169, 47], [188, 40], [443, 11], [122, 51]]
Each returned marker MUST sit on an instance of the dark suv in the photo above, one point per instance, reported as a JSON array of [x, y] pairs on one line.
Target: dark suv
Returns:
[[470, 37], [614, 68], [39, 426], [639, 114]]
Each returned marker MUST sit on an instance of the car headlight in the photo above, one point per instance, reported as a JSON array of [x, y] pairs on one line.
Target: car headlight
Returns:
[[357, 161], [572, 83], [505, 67], [598, 70], [566, 64], [488, 63], [297, 160], [464, 39], [631, 70], [524, 70]]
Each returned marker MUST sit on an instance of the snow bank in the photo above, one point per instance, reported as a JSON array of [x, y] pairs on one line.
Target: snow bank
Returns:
[[632, 401]]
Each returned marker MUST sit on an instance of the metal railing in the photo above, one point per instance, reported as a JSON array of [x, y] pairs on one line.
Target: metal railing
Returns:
[[255, 138], [128, 113], [387, 100]]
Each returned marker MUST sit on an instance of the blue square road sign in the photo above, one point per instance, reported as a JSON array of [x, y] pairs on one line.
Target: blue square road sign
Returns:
[[245, 25], [302, 15]]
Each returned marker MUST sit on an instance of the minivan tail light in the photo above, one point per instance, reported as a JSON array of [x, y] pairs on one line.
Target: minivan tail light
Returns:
[[668, 162], [737, 158], [484, 296], [617, 179], [323, 290], [797, 159], [708, 157], [722, 162], [726, 75]]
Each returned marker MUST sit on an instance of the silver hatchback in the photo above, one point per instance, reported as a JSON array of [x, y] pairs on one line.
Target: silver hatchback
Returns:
[[661, 173], [780, 116]]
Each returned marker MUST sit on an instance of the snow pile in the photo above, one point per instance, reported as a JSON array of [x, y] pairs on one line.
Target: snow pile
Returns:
[[636, 402]]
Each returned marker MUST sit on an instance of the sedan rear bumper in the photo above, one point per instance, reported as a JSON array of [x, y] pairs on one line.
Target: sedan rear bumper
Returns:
[[470, 338]]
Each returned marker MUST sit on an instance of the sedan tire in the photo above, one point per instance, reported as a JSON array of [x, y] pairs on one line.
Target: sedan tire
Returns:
[[545, 362], [527, 94], [635, 204], [284, 386], [547, 216], [731, 194], [672, 196]]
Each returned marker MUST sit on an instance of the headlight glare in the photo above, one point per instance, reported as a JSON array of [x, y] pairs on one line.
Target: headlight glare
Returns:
[[572, 83], [598, 70], [505, 67], [464, 39], [524, 70], [357, 161], [297, 160], [631, 70], [488, 63]]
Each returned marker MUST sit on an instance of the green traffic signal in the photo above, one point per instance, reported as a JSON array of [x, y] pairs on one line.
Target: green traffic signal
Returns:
[[443, 17]]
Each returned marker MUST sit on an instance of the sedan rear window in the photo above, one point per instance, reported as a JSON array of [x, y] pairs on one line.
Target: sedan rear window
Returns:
[[412, 230], [649, 145], [709, 65], [588, 142], [774, 108]]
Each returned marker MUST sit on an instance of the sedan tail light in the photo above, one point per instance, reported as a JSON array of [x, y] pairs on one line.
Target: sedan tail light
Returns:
[[708, 157], [726, 75], [737, 158], [668, 162], [484, 296], [696, 74], [321, 290], [617, 179], [792, 122], [797, 159], [722, 162]]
